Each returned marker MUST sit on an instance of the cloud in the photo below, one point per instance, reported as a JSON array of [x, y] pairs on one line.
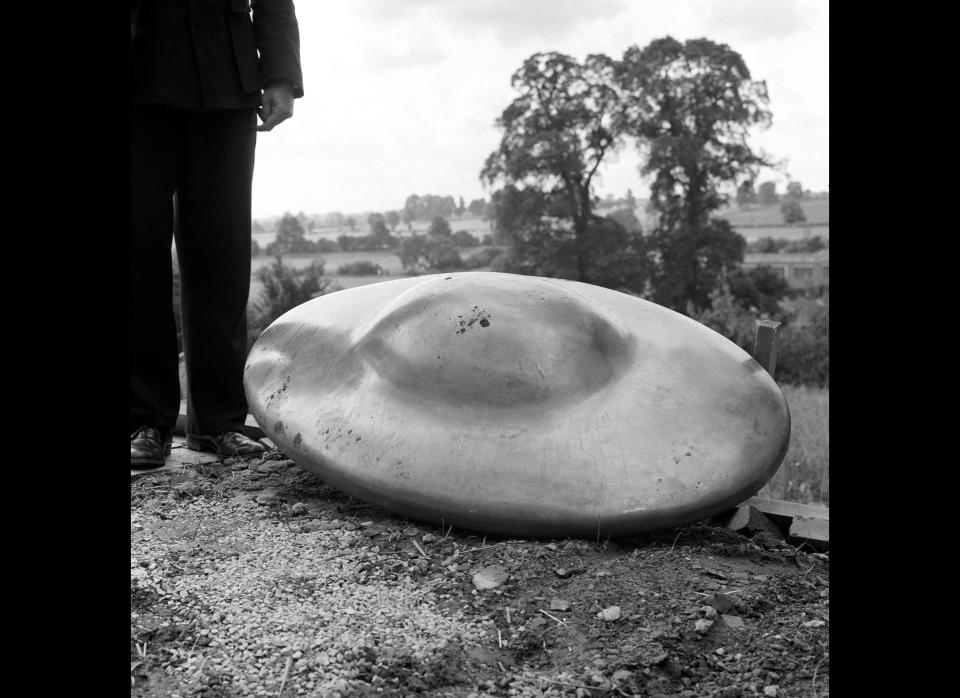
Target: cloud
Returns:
[[754, 19], [511, 21], [409, 47]]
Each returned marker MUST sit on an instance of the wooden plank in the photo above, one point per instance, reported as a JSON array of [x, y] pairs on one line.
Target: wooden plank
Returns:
[[765, 350], [802, 521], [250, 428], [810, 528], [779, 507]]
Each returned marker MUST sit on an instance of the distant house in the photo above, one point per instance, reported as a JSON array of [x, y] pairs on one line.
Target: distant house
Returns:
[[800, 269]]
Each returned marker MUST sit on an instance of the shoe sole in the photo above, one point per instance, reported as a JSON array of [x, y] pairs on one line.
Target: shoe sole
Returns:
[[195, 444], [145, 464]]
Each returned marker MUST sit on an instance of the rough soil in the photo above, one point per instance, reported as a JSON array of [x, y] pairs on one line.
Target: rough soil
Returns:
[[261, 580]]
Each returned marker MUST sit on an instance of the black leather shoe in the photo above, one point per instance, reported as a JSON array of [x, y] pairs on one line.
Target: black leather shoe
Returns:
[[228, 444], [148, 448]]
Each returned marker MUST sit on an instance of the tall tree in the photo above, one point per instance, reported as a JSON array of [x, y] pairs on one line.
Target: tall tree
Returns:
[[393, 220], [792, 212], [746, 194], [690, 105], [373, 219], [380, 237], [290, 236], [439, 227], [409, 216], [794, 192], [513, 211], [477, 207], [446, 207], [760, 289], [334, 220], [557, 132], [768, 194], [525, 220]]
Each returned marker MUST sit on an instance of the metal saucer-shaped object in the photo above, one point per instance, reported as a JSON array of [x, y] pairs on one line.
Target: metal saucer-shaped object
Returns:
[[517, 405]]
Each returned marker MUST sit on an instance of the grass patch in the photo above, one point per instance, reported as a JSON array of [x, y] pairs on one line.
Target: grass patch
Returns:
[[804, 475]]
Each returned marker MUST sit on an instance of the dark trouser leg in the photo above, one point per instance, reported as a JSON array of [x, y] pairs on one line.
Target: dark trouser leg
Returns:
[[213, 246], [154, 384]]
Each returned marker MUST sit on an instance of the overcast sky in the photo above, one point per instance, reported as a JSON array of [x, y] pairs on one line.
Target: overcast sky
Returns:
[[402, 95]]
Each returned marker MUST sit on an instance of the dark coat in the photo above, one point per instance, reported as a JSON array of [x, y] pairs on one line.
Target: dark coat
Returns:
[[202, 54]]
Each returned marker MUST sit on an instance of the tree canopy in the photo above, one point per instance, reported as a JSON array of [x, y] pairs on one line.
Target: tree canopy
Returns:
[[291, 237], [556, 133], [690, 106], [393, 219], [427, 207]]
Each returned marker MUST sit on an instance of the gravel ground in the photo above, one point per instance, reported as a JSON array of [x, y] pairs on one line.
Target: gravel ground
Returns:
[[261, 580]]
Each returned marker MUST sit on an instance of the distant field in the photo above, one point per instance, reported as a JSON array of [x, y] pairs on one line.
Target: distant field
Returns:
[[797, 232], [389, 261], [474, 226], [816, 210], [753, 224], [334, 260], [804, 475]]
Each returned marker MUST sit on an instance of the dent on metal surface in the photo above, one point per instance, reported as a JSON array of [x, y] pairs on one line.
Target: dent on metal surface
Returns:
[[517, 405]]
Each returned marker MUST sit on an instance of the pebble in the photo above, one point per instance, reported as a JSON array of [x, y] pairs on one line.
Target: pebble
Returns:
[[771, 690], [489, 578], [610, 613], [703, 625], [191, 489], [721, 602], [733, 622]]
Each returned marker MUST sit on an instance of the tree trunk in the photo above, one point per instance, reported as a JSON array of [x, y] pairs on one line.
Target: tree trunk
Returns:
[[580, 223]]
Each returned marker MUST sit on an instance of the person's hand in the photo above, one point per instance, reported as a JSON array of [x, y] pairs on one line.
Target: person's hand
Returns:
[[276, 105]]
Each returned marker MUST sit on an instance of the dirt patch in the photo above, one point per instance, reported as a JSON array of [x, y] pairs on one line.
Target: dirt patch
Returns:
[[246, 579]]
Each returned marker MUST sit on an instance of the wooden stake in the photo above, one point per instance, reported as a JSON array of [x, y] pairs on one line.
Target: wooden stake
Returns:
[[765, 350]]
